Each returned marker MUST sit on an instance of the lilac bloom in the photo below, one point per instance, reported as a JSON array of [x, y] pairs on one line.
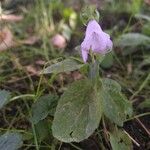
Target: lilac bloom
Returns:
[[96, 40]]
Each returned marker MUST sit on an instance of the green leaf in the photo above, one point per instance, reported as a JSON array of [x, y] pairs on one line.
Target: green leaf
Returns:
[[111, 85], [142, 16], [120, 141], [146, 29], [42, 130], [145, 62], [145, 104], [44, 106], [133, 40], [10, 141], [4, 98], [100, 57], [66, 31], [108, 60], [115, 105], [73, 20], [78, 112], [63, 66]]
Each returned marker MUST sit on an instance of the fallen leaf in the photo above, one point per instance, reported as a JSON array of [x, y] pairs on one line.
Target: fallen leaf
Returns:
[[129, 68], [6, 39], [32, 70], [40, 62], [10, 18], [147, 2], [77, 75], [31, 40]]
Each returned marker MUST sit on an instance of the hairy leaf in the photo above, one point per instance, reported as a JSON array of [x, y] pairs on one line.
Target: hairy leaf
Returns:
[[108, 60], [78, 112], [4, 97], [115, 105], [143, 16], [43, 106], [120, 141], [42, 130], [133, 40], [63, 66], [10, 141]]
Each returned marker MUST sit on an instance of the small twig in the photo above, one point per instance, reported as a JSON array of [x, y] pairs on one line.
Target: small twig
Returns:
[[138, 116], [60, 146], [78, 148], [147, 131], [105, 129], [135, 142], [19, 79]]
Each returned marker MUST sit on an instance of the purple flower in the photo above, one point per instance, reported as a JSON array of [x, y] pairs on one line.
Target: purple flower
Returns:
[[95, 40]]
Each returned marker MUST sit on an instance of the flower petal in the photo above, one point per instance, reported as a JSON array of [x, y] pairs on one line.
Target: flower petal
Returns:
[[84, 55], [92, 26], [96, 40], [101, 43]]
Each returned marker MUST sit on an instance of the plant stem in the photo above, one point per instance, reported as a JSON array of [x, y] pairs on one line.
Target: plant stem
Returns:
[[33, 127], [127, 27], [22, 96]]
